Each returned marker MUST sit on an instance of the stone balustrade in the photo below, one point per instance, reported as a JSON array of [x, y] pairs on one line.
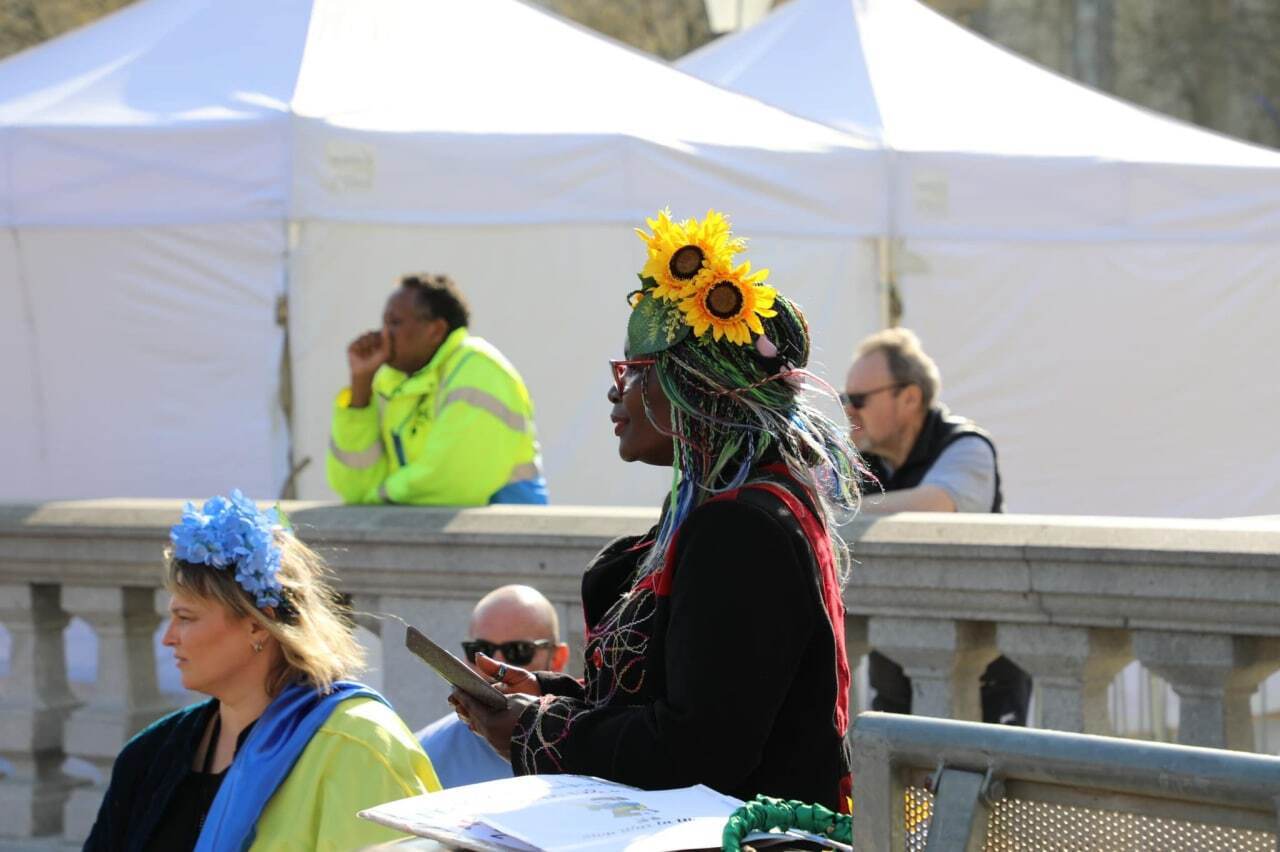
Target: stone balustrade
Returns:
[[1071, 600]]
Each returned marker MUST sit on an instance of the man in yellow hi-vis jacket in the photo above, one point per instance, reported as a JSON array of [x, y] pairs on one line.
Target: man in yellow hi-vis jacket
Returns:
[[433, 416]]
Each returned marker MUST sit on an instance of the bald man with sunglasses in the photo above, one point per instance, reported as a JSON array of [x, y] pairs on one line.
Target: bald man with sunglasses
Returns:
[[925, 459], [512, 624]]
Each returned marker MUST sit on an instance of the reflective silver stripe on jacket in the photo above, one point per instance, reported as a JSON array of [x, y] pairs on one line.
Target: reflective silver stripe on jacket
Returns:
[[486, 401], [526, 471], [360, 459]]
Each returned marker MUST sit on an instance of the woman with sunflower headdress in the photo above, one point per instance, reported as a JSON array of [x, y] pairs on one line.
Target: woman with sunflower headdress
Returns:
[[715, 646]]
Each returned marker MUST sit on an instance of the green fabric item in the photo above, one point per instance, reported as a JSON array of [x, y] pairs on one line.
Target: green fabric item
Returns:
[[655, 325], [765, 813]]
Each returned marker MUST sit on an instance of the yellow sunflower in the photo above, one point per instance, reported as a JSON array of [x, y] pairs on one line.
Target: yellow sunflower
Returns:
[[730, 301], [680, 252]]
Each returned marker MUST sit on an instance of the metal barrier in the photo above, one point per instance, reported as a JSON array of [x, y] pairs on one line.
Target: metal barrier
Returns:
[[938, 785]]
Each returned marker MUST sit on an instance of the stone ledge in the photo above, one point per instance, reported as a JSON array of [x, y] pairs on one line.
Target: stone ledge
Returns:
[[1193, 575]]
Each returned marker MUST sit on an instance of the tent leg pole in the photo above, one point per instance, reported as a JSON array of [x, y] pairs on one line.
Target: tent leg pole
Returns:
[[289, 490], [890, 298]]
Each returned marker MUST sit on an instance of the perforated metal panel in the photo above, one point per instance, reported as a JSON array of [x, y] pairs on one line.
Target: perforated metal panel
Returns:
[[919, 810], [1018, 825]]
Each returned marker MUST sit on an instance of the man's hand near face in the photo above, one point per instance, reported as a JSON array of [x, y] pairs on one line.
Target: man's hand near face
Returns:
[[365, 355]]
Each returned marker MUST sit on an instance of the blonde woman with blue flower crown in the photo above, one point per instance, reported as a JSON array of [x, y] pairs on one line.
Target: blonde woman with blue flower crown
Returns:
[[285, 751], [715, 641]]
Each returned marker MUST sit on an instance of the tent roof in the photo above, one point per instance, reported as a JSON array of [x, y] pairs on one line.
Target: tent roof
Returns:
[[898, 71], [397, 110], [162, 62], [988, 146]]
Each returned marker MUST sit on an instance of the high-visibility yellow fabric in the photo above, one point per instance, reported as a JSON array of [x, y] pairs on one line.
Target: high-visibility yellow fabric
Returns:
[[452, 434], [363, 755]]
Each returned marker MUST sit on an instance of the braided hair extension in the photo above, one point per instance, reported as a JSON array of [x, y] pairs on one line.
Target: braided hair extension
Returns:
[[731, 405]]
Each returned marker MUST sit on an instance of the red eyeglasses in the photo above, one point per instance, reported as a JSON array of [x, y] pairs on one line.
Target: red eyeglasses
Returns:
[[625, 371]]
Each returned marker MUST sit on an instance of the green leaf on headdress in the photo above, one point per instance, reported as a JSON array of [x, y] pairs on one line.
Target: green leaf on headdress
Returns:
[[655, 325], [648, 282]]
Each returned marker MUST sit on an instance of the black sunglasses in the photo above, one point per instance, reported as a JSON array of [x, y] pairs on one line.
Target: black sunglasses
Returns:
[[518, 652], [858, 400]]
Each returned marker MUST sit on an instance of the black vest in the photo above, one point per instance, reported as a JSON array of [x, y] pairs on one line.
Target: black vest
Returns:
[[941, 428]]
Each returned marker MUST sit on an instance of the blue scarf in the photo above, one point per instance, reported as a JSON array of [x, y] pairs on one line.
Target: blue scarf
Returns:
[[266, 759]]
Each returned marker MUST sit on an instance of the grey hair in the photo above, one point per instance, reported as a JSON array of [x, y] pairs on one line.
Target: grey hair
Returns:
[[908, 363]]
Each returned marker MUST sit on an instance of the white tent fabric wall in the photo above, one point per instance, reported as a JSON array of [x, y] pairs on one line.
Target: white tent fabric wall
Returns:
[[144, 199], [156, 363], [20, 423], [1090, 276], [1124, 378], [155, 162], [553, 297]]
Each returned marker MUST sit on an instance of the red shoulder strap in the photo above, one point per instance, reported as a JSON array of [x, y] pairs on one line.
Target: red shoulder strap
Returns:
[[820, 545]]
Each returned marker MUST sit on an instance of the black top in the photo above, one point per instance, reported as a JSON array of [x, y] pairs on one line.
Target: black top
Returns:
[[725, 674], [940, 430], [180, 826], [156, 800]]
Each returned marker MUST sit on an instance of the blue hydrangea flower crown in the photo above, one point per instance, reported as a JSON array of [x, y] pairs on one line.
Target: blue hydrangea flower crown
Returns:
[[232, 532]]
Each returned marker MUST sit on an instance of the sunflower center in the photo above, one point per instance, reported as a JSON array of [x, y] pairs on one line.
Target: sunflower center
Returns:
[[686, 262], [724, 300]]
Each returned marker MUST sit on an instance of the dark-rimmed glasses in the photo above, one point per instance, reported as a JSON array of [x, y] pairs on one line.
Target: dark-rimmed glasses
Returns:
[[625, 368], [518, 652], [857, 401]]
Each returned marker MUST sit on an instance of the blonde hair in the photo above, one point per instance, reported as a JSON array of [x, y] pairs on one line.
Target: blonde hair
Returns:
[[316, 635], [908, 362]]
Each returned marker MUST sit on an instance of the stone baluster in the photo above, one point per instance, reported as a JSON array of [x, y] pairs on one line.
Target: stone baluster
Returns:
[[1214, 678], [942, 657], [33, 710], [1072, 666], [125, 698], [856, 647], [420, 695]]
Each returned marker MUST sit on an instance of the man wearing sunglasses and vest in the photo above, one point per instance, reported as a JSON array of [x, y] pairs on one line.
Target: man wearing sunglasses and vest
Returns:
[[512, 624], [434, 416], [926, 460]]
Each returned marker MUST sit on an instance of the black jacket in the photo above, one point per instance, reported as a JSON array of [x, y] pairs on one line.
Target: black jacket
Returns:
[[726, 677], [146, 773]]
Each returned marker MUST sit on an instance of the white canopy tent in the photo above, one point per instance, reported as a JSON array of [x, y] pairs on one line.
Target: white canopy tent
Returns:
[[174, 171], [1099, 284]]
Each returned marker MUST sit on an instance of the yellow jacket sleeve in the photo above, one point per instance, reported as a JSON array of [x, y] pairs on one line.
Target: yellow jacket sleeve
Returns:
[[478, 436], [356, 462], [362, 756]]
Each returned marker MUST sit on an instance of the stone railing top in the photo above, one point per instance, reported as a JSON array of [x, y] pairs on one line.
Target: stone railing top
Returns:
[[130, 517], [1194, 540], [1186, 575], [379, 550]]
